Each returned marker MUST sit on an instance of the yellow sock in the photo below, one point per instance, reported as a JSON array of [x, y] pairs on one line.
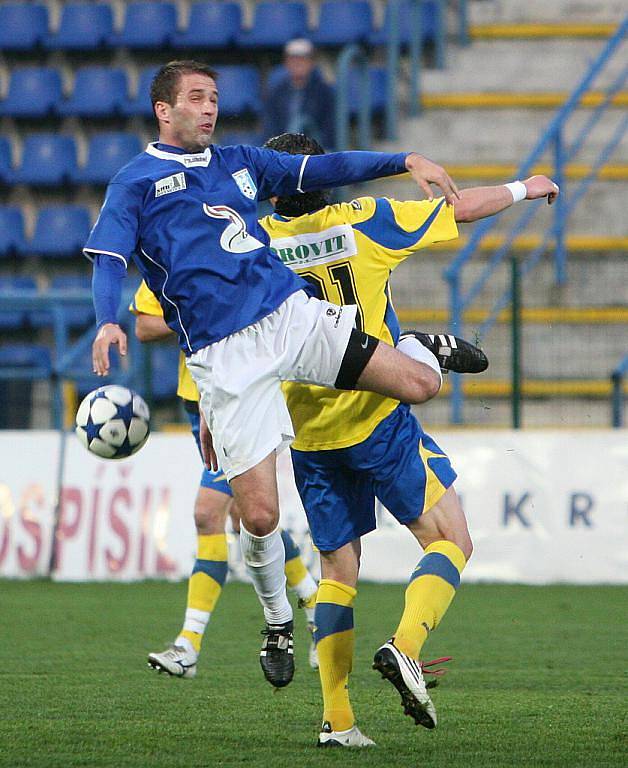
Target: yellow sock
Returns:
[[205, 585], [334, 641], [297, 575], [431, 589]]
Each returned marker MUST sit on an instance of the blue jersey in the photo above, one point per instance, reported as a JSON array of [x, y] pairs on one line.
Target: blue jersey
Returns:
[[190, 223]]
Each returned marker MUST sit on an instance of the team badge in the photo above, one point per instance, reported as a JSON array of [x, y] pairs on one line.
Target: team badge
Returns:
[[245, 183]]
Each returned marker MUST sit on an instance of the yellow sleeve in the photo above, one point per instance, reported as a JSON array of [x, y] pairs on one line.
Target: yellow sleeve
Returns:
[[145, 302], [401, 228]]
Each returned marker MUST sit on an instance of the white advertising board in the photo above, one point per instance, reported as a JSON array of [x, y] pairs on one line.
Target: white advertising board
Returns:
[[542, 507]]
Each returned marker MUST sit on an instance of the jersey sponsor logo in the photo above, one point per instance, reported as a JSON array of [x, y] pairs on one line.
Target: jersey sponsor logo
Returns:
[[235, 238], [315, 248], [245, 183], [174, 183]]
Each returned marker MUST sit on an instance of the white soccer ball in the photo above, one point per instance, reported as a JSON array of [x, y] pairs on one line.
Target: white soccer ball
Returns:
[[113, 422]]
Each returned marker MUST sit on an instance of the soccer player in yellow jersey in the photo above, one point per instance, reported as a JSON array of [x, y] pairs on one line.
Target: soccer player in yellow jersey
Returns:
[[214, 501], [351, 447]]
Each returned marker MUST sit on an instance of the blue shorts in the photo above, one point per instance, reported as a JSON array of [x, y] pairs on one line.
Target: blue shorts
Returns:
[[399, 464], [216, 481]]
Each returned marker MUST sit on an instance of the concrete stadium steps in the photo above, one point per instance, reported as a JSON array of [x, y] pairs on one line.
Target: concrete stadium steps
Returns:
[[546, 11], [507, 100], [594, 279], [549, 30]]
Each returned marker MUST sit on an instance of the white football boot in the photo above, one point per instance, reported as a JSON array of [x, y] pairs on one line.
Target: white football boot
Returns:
[[406, 675], [350, 738], [176, 661]]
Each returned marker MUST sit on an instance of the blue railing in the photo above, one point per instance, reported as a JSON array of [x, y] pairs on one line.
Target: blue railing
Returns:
[[617, 396], [70, 359], [352, 61], [552, 138]]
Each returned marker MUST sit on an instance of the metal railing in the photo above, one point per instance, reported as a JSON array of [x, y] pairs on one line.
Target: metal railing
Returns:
[[617, 393], [552, 138], [68, 361]]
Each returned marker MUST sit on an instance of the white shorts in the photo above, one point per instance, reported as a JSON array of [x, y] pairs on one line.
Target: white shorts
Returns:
[[239, 377]]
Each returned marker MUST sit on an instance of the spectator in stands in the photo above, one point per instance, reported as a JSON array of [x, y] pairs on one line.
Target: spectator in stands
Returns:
[[300, 101]]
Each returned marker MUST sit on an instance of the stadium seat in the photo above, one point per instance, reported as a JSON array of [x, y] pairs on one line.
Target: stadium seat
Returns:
[[47, 160], [431, 18], [12, 240], [147, 25], [12, 319], [106, 154], [83, 27], [164, 371], [61, 231], [274, 24], [378, 77], [23, 26], [77, 315], [32, 357], [342, 22], [141, 104], [32, 92], [211, 25], [6, 161], [98, 92], [240, 92]]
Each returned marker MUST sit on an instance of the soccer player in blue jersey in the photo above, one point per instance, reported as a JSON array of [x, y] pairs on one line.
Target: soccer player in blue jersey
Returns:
[[185, 211], [353, 447]]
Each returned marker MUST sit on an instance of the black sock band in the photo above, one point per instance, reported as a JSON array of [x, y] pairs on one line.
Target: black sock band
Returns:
[[357, 354]]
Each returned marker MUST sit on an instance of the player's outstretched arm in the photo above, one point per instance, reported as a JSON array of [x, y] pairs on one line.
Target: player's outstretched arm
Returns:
[[107, 279], [479, 202], [151, 328], [426, 172]]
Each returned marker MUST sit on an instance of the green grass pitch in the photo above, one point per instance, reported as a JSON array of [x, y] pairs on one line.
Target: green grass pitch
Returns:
[[538, 679]]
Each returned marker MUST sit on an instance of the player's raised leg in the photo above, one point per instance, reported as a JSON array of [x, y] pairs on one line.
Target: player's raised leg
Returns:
[[255, 493]]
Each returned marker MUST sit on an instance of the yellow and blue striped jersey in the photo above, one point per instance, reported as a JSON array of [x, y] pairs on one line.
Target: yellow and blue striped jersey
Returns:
[[348, 252]]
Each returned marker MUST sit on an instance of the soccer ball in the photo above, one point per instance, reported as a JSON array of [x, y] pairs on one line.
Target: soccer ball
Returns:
[[112, 422]]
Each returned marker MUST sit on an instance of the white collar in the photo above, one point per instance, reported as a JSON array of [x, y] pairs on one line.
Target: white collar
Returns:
[[200, 159]]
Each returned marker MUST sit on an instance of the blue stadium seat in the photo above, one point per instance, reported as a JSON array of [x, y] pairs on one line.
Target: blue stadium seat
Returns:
[[6, 161], [12, 240], [342, 22], [98, 92], [34, 357], [83, 27], [141, 104], [274, 24], [77, 315], [165, 371], [147, 25], [378, 77], [240, 92], [23, 26], [431, 18], [211, 25], [61, 231], [106, 154], [47, 160], [33, 92], [12, 319]]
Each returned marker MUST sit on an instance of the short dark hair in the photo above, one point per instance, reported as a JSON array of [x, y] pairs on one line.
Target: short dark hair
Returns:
[[165, 84], [307, 202]]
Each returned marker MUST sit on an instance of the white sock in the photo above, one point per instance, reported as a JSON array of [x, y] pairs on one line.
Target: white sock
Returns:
[[413, 348], [306, 587], [265, 560]]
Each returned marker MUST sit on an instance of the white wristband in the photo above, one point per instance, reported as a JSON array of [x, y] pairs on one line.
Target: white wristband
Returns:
[[517, 190]]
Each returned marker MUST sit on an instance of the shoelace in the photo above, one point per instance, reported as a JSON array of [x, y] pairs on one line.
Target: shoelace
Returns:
[[437, 672]]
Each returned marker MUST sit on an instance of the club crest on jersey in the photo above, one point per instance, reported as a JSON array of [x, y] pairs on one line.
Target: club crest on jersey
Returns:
[[234, 238], [245, 183], [173, 183]]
